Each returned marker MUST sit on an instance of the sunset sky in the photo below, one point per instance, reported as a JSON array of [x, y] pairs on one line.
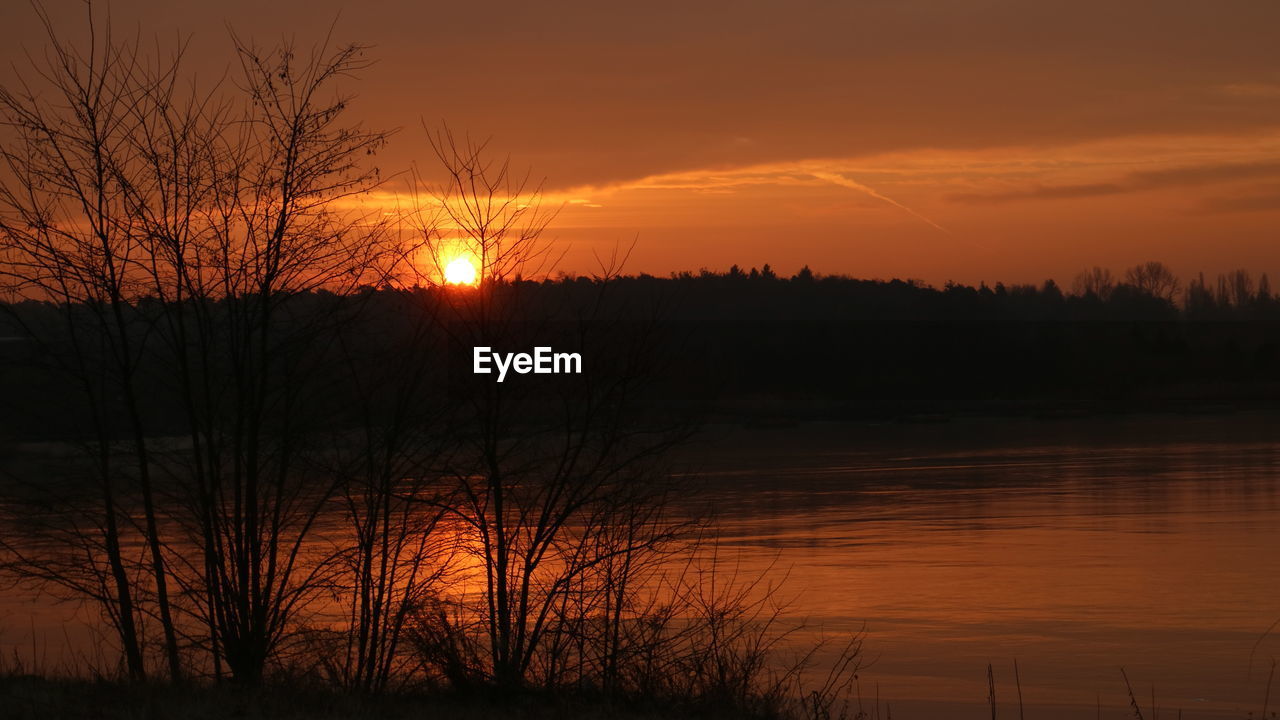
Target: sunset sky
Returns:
[[966, 140]]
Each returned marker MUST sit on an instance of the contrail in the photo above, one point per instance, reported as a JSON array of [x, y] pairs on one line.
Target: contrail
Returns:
[[846, 182]]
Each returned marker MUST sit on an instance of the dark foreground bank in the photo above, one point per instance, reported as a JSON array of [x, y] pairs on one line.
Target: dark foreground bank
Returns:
[[30, 697]]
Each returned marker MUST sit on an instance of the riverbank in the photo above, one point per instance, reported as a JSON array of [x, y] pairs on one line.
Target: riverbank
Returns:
[[30, 697]]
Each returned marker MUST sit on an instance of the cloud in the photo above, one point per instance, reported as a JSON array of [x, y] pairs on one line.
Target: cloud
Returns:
[[1257, 202], [1137, 181], [843, 181], [1040, 192], [1205, 174]]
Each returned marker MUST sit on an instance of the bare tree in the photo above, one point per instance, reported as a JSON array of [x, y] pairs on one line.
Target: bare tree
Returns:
[[485, 210], [397, 555], [1096, 282], [1198, 298], [258, 341], [553, 482], [202, 242], [1240, 288], [67, 236], [1153, 278]]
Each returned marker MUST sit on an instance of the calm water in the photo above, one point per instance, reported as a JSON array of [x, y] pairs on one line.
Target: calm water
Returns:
[[1074, 547]]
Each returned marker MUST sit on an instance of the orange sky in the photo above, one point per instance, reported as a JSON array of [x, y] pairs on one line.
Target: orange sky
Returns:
[[935, 139]]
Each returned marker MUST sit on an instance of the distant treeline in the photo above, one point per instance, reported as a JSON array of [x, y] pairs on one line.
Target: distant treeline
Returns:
[[837, 347], [756, 346], [1149, 291]]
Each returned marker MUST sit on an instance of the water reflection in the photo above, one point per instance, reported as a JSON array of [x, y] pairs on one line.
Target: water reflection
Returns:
[[1073, 547]]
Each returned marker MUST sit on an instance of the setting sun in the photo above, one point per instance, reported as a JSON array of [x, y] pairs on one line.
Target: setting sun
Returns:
[[460, 272]]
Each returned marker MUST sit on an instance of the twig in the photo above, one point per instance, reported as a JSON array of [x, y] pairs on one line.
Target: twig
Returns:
[[1133, 701], [1266, 698], [991, 690], [1018, 680]]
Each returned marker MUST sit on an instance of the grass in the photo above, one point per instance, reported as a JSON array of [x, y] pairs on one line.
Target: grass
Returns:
[[29, 697]]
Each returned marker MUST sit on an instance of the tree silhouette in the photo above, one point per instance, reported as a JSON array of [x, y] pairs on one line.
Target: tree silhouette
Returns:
[[1154, 279], [1095, 281]]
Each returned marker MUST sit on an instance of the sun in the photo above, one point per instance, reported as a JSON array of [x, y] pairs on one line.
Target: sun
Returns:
[[460, 272]]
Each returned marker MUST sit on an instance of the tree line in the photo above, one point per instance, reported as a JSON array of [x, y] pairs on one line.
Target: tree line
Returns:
[[1147, 290]]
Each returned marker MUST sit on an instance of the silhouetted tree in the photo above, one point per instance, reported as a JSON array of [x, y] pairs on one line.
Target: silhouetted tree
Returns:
[[1240, 288], [183, 235], [1153, 278], [555, 485], [1199, 300], [1050, 292], [76, 158], [1095, 281]]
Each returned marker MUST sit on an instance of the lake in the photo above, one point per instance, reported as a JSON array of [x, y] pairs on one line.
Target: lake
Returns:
[[1075, 547]]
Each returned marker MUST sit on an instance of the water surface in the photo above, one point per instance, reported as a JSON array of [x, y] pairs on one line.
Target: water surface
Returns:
[[1075, 547]]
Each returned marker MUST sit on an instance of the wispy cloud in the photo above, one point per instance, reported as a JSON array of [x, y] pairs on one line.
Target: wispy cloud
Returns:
[[1137, 181], [854, 185], [1266, 201], [1039, 192], [918, 183]]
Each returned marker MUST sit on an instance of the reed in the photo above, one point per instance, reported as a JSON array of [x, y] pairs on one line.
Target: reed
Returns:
[[1133, 700]]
